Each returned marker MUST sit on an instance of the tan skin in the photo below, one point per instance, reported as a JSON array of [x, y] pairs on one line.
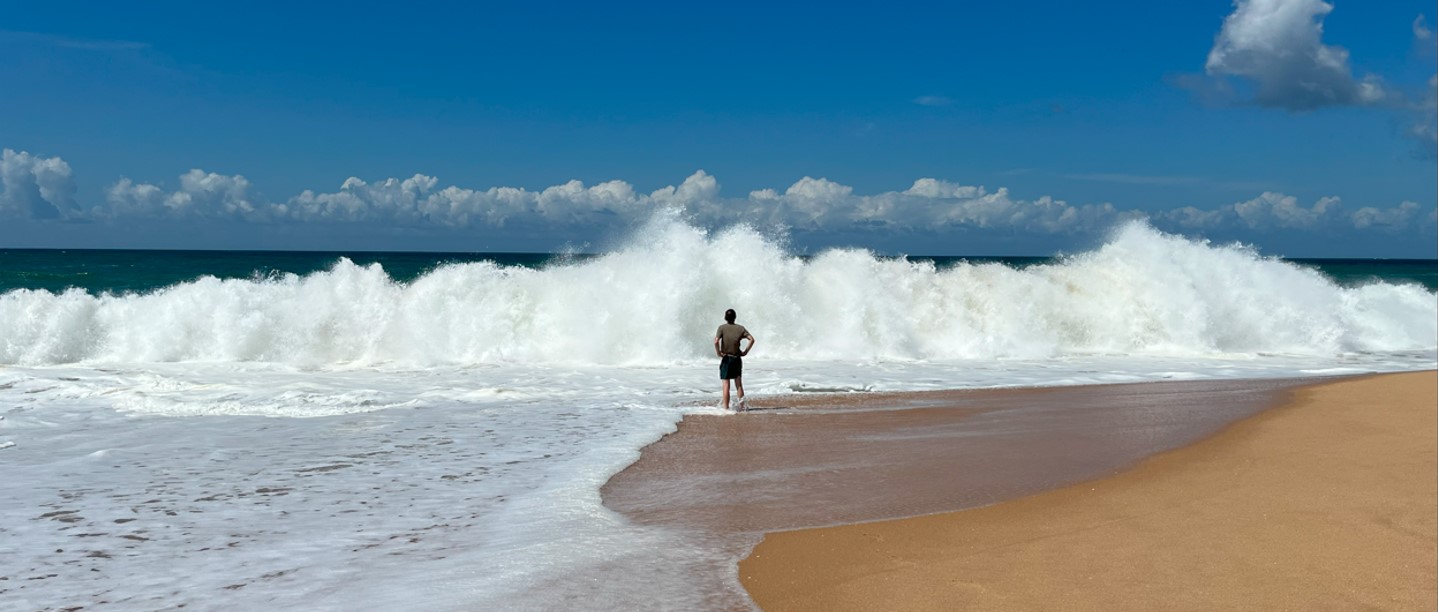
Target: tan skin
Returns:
[[738, 381]]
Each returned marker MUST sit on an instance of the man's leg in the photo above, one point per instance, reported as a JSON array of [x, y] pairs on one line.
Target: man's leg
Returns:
[[739, 385], [726, 394]]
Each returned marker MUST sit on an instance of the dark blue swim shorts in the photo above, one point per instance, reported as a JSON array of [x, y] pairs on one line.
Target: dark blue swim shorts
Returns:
[[731, 367]]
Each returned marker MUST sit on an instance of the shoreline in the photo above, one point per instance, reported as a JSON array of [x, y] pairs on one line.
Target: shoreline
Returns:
[[810, 461], [806, 461], [1308, 504]]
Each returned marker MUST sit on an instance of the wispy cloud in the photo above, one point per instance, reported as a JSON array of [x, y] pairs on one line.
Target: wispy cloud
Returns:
[[933, 101], [1420, 28], [1123, 178], [1424, 127], [69, 42], [1278, 211], [1135, 179]]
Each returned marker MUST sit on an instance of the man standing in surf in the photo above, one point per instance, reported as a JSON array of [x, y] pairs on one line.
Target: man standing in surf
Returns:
[[731, 362]]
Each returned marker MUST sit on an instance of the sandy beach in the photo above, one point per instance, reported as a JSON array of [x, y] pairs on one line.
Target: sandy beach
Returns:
[[828, 459], [1328, 501]]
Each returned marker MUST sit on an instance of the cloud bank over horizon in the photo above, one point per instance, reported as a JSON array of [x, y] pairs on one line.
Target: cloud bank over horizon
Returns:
[[42, 188]]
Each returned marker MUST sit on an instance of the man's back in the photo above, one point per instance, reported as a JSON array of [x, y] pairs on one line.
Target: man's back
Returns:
[[729, 335]]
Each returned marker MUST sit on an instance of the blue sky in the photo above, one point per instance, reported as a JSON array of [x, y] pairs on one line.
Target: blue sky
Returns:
[[1304, 127]]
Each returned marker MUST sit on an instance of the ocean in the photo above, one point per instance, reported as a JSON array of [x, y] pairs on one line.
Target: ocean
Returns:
[[340, 431]]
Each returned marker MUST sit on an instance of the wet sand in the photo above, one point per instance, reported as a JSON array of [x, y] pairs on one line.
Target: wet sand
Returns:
[[1328, 502], [807, 461]]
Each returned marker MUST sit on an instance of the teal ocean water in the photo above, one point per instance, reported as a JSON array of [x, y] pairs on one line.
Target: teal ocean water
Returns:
[[137, 271]]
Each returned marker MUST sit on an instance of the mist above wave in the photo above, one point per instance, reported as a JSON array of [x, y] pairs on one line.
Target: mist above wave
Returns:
[[658, 299]]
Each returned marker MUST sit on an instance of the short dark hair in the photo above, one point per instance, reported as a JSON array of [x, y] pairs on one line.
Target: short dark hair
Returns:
[[729, 315]]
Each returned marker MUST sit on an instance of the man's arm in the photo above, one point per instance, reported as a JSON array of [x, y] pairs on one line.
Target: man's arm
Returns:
[[716, 347], [751, 344]]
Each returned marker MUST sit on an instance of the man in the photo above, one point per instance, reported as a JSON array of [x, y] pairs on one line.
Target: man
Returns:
[[731, 362]]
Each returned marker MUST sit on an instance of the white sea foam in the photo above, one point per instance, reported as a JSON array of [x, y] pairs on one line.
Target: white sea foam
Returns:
[[654, 303], [343, 441]]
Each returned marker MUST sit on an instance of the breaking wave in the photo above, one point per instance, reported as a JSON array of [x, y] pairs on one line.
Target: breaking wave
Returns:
[[657, 301]]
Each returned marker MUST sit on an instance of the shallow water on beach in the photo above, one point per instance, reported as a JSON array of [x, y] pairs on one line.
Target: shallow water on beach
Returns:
[[428, 489], [864, 460]]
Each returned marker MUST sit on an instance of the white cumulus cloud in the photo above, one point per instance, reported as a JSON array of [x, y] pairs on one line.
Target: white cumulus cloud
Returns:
[[817, 204], [1283, 211], [812, 204], [1277, 45], [200, 195], [39, 187], [415, 200], [928, 205], [35, 187], [388, 200]]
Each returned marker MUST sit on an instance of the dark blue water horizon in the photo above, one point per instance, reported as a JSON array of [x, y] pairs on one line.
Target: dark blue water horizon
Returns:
[[122, 271]]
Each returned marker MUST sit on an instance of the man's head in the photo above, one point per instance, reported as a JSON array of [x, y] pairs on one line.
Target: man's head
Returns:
[[729, 315]]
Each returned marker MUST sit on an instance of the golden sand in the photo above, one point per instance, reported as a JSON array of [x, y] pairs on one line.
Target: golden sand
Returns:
[[1327, 503]]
